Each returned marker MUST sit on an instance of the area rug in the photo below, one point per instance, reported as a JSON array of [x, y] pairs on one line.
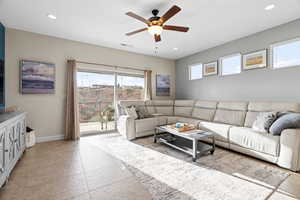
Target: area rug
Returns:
[[170, 174]]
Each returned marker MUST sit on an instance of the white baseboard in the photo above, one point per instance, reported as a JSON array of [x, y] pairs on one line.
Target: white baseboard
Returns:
[[49, 138]]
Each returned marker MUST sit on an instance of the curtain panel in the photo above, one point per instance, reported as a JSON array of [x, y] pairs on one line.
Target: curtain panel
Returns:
[[148, 84], [72, 129]]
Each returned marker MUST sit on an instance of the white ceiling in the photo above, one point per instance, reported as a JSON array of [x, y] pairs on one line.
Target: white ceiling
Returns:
[[104, 23]]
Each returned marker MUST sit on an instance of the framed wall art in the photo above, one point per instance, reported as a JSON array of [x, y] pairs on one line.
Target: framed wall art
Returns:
[[210, 69], [255, 60], [163, 85], [37, 77]]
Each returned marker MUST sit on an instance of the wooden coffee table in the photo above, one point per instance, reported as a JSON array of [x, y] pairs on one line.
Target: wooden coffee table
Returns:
[[187, 142]]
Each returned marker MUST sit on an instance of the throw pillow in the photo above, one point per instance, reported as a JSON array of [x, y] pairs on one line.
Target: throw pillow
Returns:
[[264, 121], [142, 112], [131, 112], [121, 110], [290, 120]]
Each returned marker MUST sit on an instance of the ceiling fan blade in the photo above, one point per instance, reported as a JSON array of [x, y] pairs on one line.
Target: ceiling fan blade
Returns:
[[135, 16], [137, 31], [170, 13], [176, 28], [157, 38]]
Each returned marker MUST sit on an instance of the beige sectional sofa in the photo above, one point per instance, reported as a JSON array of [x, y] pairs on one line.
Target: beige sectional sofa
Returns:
[[230, 121]]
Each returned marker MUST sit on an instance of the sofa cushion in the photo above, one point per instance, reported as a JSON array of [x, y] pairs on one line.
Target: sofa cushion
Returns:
[[149, 124], [146, 124], [183, 111], [233, 105], [184, 103], [203, 113], [164, 107], [204, 110], [261, 142], [161, 120], [189, 120], [165, 110], [206, 104], [172, 119], [183, 108], [233, 117], [221, 130], [163, 102], [274, 106], [250, 118], [150, 107], [231, 112]]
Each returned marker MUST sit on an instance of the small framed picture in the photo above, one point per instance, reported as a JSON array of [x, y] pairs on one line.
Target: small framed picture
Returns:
[[255, 60], [210, 69]]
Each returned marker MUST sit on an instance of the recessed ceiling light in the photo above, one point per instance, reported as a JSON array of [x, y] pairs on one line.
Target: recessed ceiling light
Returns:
[[175, 48], [51, 16], [270, 7]]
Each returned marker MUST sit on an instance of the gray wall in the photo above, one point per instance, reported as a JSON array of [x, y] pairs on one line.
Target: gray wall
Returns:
[[261, 84]]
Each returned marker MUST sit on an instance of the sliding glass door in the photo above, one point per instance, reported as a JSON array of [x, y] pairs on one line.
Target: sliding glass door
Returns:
[[96, 102], [97, 94]]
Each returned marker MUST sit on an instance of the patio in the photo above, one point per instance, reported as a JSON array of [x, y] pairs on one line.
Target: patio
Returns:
[[95, 127]]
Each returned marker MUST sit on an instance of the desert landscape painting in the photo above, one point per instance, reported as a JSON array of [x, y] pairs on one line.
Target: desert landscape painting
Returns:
[[37, 77], [211, 68], [255, 60]]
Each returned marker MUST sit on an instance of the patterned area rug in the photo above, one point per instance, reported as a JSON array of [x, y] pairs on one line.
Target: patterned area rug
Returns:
[[171, 174]]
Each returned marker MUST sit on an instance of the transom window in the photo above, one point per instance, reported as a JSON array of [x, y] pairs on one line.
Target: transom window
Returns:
[[286, 54], [231, 64], [196, 71]]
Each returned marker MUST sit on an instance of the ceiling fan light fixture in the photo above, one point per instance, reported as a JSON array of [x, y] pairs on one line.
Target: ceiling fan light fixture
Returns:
[[51, 16], [270, 7], [155, 30]]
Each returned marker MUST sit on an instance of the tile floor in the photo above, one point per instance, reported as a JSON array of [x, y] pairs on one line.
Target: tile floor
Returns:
[[64, 170], [71, 170]]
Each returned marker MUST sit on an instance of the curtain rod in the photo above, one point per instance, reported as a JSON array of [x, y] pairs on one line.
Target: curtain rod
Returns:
[[114, 66]]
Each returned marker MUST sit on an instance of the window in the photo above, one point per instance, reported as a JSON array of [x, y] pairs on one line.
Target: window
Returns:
[[231, 64], [96, 101], [286, 54], [130, 87], [196, 71]]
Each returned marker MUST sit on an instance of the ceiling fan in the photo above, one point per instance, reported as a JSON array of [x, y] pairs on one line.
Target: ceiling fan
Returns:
[[156, 23]]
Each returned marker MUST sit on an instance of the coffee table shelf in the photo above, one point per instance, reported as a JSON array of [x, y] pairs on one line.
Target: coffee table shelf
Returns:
[[182, 141]]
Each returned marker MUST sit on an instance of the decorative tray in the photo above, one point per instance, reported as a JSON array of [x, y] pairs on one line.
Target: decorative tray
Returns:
[[182, 129]]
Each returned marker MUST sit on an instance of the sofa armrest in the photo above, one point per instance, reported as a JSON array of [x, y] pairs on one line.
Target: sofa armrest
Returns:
[[126, 126], [289, 156]]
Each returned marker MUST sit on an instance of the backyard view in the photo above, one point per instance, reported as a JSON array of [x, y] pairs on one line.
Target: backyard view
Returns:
[[96, 98]]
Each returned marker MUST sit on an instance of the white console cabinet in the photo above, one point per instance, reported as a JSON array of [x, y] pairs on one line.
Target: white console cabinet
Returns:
[[12, 142]]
